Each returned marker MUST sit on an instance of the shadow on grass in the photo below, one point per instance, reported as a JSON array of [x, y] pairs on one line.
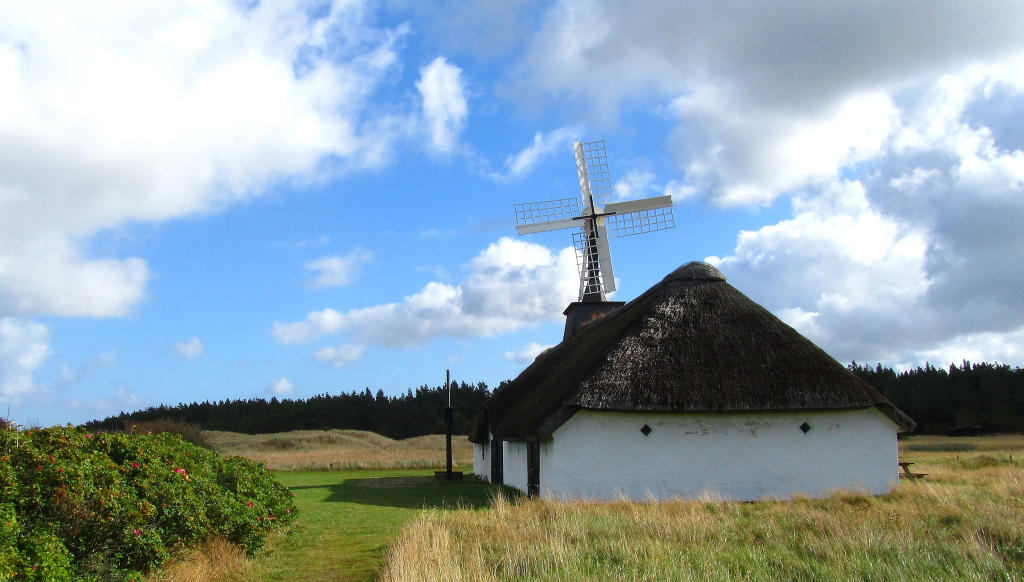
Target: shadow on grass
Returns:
[[416, 492]]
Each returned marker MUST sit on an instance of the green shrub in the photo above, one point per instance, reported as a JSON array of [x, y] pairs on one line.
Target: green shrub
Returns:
[[110, 506], [189, 432]]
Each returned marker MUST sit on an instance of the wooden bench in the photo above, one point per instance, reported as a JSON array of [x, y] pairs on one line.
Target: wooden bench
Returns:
[[907, 474]]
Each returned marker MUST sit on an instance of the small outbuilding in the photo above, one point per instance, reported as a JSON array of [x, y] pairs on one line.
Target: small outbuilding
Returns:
[[690, 389]]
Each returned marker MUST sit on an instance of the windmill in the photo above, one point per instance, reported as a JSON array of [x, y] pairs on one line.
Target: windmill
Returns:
[[594, 219]]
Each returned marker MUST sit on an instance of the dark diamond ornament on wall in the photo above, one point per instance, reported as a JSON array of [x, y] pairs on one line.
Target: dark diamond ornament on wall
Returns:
[[646, 430], [805, 427]]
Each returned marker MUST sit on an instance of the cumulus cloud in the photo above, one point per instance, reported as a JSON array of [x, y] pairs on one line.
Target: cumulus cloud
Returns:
[[444, 104], [749, 157], [768, 97], [527, 355], [316, 325], [635, 184], [839, 271], [339, 356], [522, 163], [24, 346], [919, 261], [511, 284], [337, 271], [680, 191], [191, 349], [280, 387], [892, 128], [154, 110], [48, 274]]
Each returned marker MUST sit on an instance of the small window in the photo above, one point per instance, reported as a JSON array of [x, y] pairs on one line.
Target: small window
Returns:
[[646, 430], [805, 427]]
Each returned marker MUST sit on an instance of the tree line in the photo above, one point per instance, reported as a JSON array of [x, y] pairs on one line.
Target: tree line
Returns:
[[990, 396], [987, 395], [415, 413]]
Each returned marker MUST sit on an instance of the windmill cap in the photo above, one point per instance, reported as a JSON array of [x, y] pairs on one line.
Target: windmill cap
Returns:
[[695, 271]]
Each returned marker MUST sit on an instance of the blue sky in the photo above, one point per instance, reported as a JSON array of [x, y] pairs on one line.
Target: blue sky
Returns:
[[233, 200]]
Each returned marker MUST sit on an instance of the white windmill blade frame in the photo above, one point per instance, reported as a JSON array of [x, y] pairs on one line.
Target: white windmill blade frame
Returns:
[[604, 259], [593, 172], [582, 173], [546, 211], [638, 205], [594, 250], [548, 226], [655, 216]]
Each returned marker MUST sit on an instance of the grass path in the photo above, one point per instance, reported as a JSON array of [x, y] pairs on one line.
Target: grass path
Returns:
[[348, 518]]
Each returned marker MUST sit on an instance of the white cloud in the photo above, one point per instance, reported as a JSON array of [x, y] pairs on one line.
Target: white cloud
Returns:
[[753, 156], [638, 184], [154, 110], [191, 349], [679, 191], [85, 371], [634, 184], [24, 346], [280, 387], [913, 270], [522, 163], [839, 271], [309, 242], [437, 234], [339, 356], [527, 355], [316, 325], [1006, 348], [337, 271], [49, 275], [511, 284], [444, 104], [769, 97], [894, 128]]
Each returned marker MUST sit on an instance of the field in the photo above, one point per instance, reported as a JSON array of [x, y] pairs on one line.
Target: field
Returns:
[[334, 450], [354, 490], [347, 519], [964, 521]]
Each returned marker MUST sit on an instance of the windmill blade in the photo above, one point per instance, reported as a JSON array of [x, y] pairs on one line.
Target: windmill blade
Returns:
[[581, 172], [548, 225], [529, 213], [604, 258], [640, 216], [638, 205], [593, 260], [592, 171]]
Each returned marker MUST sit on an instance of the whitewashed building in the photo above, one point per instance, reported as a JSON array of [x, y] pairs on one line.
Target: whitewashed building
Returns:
[[689, 390]]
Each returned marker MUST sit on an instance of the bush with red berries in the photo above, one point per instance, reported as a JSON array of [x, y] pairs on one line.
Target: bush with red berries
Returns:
[[76, 505]]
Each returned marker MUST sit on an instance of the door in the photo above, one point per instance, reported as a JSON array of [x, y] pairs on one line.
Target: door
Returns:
[[497, 462], [533, 468]]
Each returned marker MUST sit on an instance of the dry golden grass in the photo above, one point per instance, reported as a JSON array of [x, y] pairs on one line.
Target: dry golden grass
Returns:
[[965, 521], [217, 559], [318, 450]]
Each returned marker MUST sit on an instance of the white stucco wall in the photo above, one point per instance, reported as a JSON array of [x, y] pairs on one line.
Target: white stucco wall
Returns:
[[515, 464], [604, 455], [482, 461]]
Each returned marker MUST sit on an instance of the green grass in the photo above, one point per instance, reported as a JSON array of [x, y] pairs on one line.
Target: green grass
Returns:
[[345, 526]]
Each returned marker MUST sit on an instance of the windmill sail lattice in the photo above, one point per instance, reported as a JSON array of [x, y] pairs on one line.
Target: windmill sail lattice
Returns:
[[596, 219]]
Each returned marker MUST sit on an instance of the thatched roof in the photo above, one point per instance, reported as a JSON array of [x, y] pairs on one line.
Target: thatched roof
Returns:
[[691, 343]]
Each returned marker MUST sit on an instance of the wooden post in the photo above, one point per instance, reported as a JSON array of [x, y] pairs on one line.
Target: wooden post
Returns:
[[448, 424]]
